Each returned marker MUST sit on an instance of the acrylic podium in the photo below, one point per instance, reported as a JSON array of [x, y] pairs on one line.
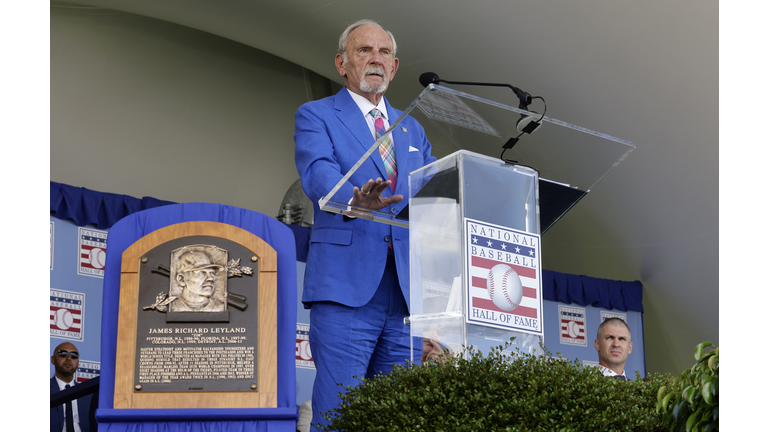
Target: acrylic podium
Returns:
[[475, 220]]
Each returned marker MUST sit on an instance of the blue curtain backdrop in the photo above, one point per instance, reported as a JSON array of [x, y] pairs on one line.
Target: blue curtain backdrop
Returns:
[[85, 206]]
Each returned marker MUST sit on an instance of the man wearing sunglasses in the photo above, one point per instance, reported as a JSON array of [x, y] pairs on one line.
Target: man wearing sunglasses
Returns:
[[72, 418]]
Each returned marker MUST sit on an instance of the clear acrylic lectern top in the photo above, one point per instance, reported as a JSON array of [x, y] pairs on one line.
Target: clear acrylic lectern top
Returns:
[[563, 153]]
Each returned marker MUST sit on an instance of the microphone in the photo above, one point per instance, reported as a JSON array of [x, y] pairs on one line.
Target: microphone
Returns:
[[428, 78]]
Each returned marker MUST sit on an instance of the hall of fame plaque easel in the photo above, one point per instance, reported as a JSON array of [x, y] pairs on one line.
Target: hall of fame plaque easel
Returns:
[[198, 320]]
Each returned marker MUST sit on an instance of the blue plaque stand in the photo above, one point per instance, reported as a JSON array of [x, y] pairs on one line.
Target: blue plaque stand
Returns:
[[132, 228]]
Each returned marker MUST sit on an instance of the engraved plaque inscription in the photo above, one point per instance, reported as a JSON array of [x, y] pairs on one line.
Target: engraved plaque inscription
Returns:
[[197, 317]]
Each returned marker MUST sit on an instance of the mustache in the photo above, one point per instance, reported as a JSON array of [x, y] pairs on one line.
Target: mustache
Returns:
[[375, 70]]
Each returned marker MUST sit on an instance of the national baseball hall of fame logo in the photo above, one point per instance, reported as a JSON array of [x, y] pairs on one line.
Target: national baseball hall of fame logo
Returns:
[[604, 315], [87, 370], [67, 311], [92, 245], [573, 325], [503, 277], [303, 353]]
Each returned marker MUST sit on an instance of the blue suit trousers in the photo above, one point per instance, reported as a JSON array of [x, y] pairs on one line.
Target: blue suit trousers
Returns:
[[349, 343]]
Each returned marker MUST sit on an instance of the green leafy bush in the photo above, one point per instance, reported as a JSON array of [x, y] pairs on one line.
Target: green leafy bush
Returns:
[[690, 403], [499, 393]]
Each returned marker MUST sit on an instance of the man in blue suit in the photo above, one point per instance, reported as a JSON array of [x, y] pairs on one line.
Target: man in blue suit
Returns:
[[357, 280], [65, 360]]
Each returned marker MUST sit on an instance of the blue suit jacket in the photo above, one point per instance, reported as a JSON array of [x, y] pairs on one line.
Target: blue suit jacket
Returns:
[[347, 256], [83, 411]]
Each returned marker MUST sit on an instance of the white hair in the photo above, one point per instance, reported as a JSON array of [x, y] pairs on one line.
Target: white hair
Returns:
[[363, 22]]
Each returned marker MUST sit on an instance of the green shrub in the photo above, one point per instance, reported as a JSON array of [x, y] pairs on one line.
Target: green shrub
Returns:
[[499, 393], [690, 403]]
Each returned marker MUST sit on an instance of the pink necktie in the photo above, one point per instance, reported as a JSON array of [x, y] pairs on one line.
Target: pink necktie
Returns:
[[385, 148]]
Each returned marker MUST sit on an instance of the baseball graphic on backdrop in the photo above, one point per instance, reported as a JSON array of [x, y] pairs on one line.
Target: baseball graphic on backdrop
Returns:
[[573, 329], [62, 319], [98, 258], [504, 287], [304, 351]]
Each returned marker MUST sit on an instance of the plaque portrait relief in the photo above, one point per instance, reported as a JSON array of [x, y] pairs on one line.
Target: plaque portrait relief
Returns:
[[198, 279], [198, 276]]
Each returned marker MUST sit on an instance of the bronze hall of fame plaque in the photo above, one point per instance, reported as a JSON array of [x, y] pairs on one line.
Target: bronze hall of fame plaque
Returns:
[[195, 329]]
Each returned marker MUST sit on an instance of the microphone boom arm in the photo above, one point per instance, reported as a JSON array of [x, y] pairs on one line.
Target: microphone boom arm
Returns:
[[525, 98], [428, 78]]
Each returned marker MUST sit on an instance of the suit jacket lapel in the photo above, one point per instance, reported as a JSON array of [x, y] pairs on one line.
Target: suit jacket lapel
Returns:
[[350, 115], [60, 408]]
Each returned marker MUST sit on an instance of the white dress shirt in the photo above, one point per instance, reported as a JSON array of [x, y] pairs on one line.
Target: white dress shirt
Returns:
[[75, 416], [366, 106]]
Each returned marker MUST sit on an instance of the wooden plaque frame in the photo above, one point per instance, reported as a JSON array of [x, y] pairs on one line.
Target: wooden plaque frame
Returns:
[[266, 395]]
